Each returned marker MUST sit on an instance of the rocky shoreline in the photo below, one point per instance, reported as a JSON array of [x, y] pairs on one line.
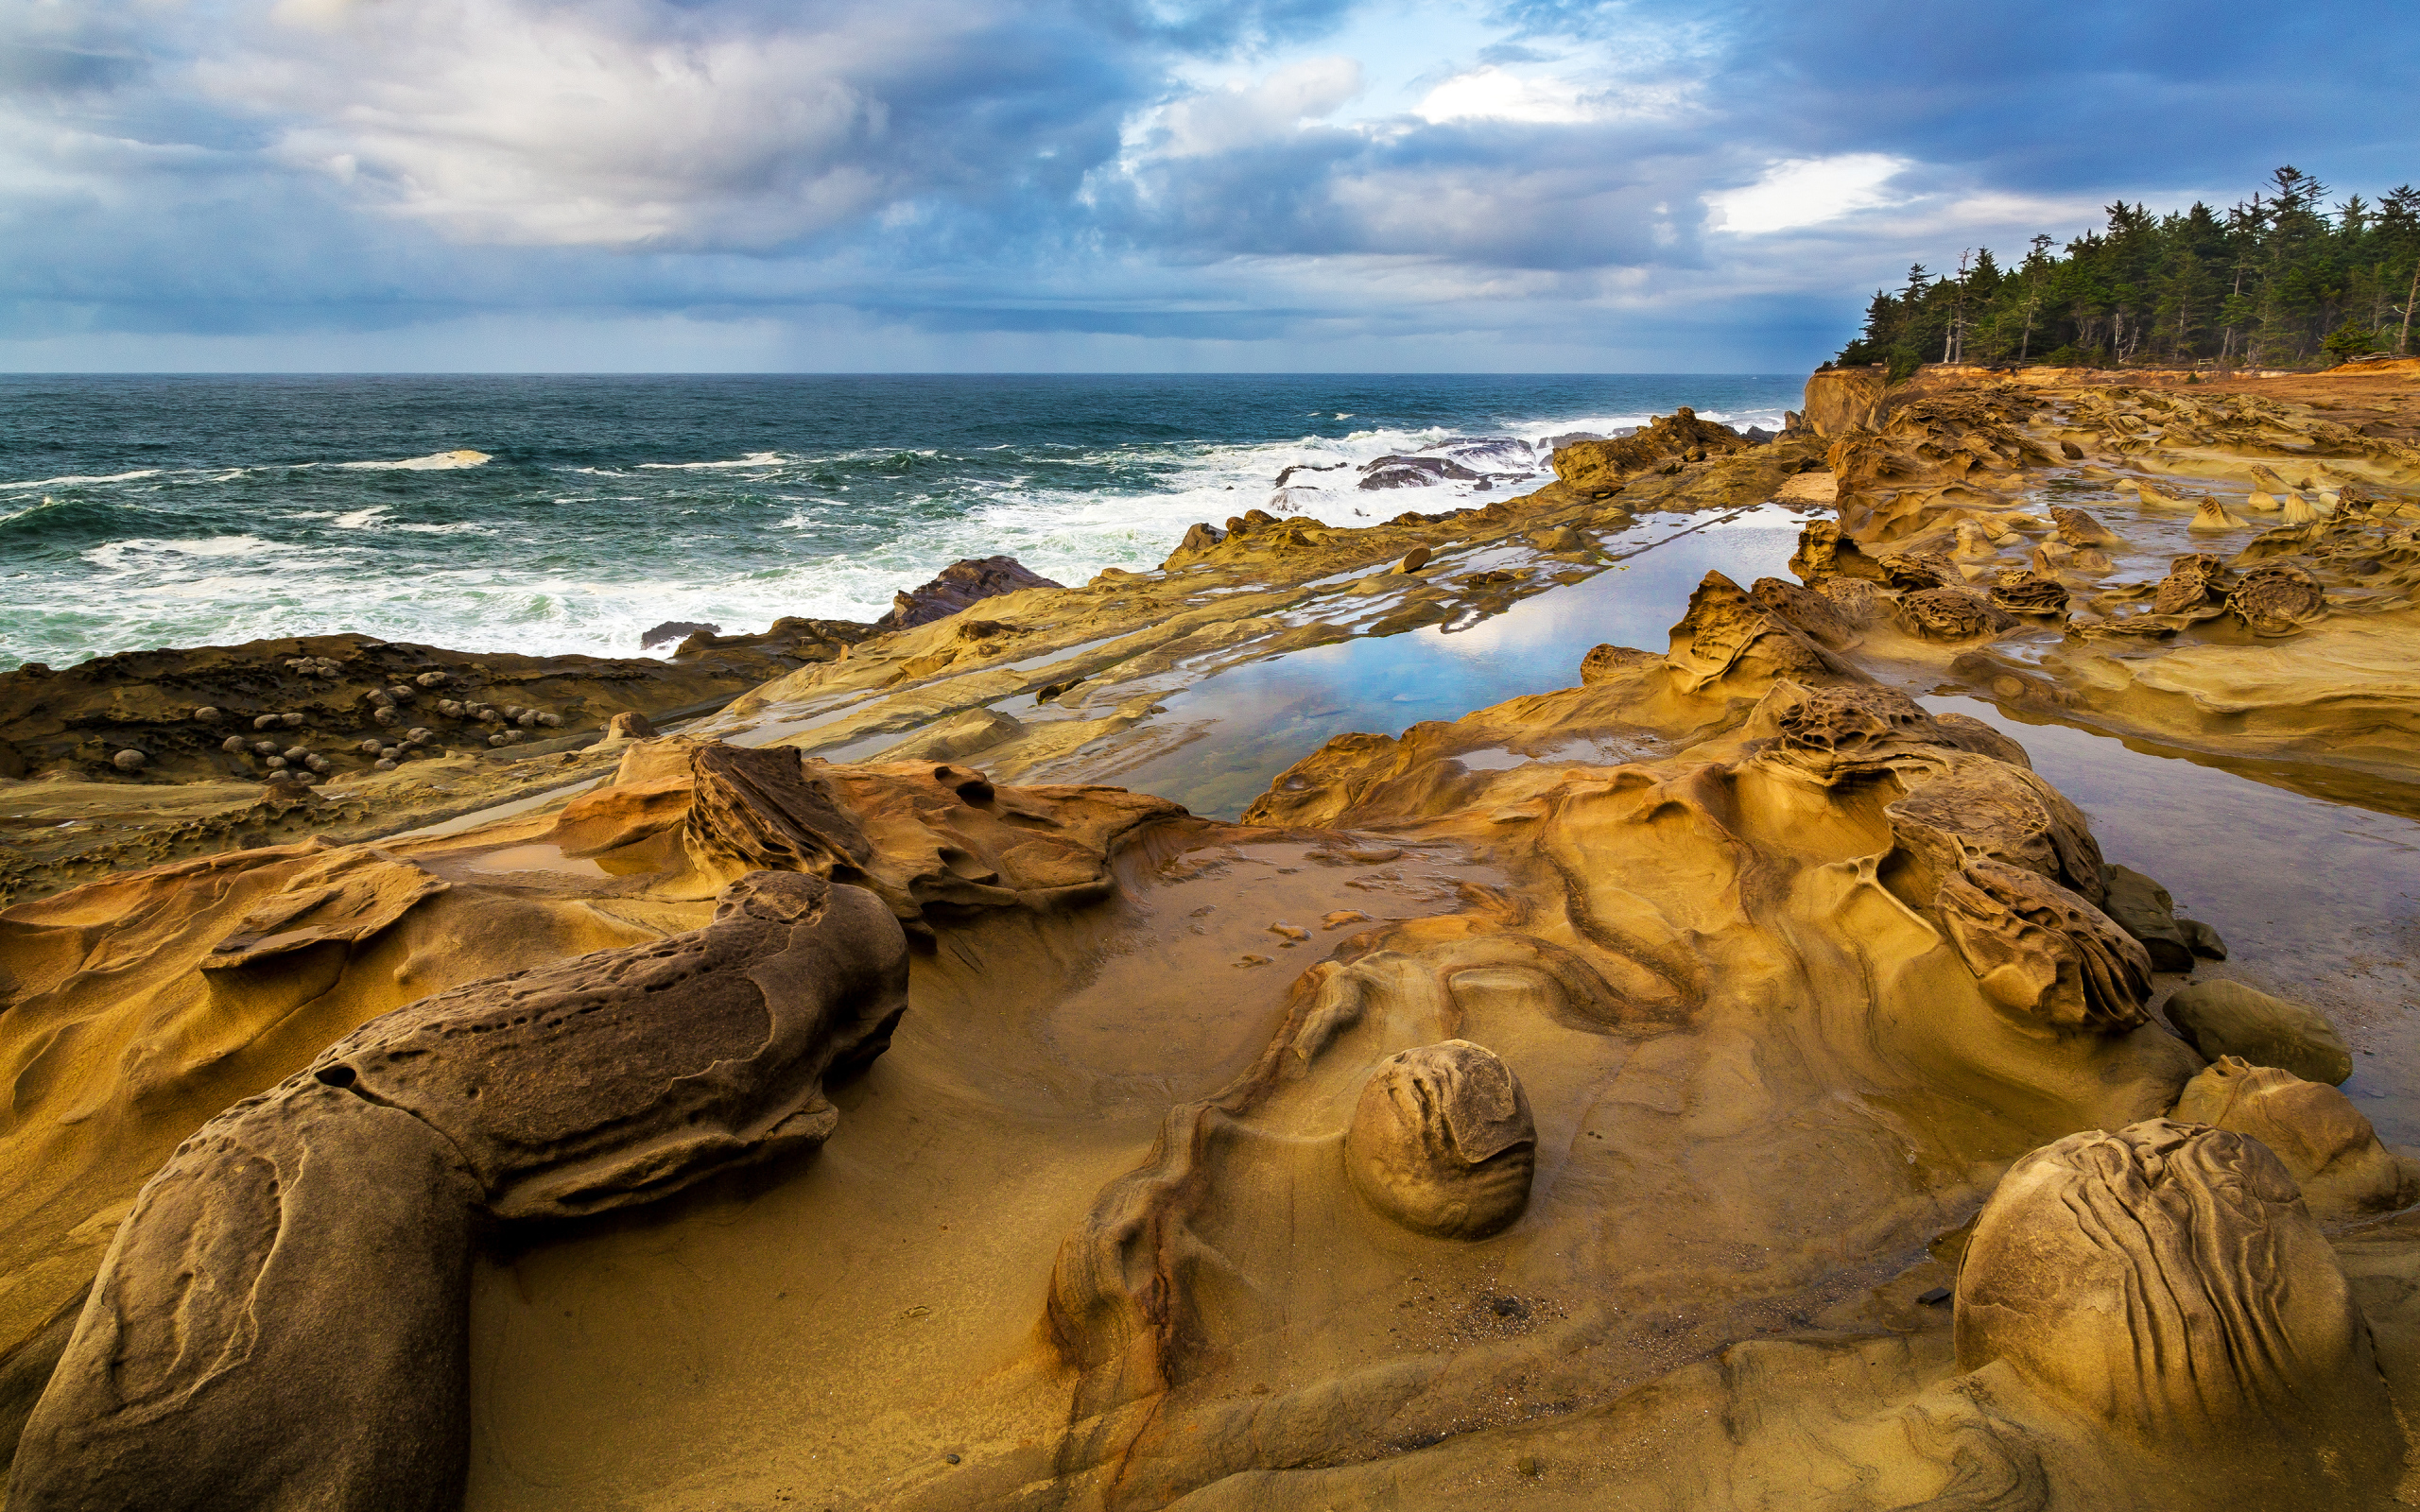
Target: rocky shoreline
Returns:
[[1732, 1077]]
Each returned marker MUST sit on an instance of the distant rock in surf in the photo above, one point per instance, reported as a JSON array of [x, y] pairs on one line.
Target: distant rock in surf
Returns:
[[960, 583], [1414, 473], [675, 630]]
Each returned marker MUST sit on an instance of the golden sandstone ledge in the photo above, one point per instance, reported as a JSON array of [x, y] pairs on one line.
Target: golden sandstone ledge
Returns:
[[1725, 1082]]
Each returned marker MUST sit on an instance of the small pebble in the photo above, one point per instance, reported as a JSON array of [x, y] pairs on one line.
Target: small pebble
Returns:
[[1934, 1297], [296, 753], [1255, 960], [368, 748], [551, 721], [290, 721], [381, 697], [264, 748], [400, 694], [526, 719], [1291, 933], [431, 679], [234, 744], [128, 761], [383, 764], [277, 764], [207, 714], [385, 715], [265, 722], [951, 1458]]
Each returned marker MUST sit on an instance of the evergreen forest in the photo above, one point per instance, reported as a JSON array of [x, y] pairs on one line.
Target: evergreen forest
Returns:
[[2282, 280]]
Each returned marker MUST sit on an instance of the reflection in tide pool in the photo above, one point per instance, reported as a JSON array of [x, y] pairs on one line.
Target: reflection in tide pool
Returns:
[[1260, 719], [2316, 901]]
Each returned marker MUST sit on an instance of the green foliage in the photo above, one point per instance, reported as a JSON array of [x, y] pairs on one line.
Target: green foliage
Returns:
[[2278, 280], [2348, 342]]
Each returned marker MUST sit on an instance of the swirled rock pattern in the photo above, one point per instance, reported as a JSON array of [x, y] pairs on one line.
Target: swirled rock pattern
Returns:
[[304, 1258], [2166, 1281]]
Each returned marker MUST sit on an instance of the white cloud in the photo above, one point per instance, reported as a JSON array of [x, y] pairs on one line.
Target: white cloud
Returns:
[[1222, 119], [643, 123], [1807, 192], [1494, 94]]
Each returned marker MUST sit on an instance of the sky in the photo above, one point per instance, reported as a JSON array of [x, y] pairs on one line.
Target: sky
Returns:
[[1105, 185]]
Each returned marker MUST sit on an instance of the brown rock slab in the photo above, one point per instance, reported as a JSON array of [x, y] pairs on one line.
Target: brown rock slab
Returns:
[[2224, 1018]]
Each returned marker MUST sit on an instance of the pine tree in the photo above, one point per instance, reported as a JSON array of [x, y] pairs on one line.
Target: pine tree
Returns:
[[2277, 277]]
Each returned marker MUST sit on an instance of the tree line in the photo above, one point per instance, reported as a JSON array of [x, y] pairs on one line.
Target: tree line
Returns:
[[2280, 279]]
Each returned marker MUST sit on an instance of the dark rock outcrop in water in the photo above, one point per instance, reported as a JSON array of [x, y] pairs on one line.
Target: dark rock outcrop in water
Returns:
[[959, 584], [674, 630], [1415, 472], [281, 1322]]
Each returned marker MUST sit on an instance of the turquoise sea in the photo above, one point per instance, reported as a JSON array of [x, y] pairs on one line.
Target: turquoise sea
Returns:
[[570, 514]]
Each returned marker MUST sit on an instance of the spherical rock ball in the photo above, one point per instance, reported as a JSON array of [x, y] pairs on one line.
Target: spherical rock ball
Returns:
[[1442, 1142], [431, 679], [234, 744], [207, 714], [276, 764], [128, 761], [386, 715], [291, 721], [370, 747], [264, 748]]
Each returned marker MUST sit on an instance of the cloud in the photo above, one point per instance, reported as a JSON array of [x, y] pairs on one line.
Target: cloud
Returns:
[[1494, 94], [1268, 110], [1807, 192], [1441, 182]]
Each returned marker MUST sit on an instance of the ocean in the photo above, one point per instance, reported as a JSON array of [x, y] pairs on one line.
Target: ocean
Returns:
[[550, 514]]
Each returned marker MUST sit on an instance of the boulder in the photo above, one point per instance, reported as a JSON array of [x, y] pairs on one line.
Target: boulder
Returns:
[[2167, 1282], [2193, 581], [1442, 1142], [959, 584], [1605, 662], [2221, 1018], [2325, 1143], [1951, 614], [2276, 598], [2020, 592], [2146, 911], [673, 631], [630, 725]]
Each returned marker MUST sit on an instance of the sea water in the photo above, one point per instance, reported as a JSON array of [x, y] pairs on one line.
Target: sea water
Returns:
[[571, 514]]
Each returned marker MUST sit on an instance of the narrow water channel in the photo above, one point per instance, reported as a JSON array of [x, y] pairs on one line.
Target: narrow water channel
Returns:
[[1258, 719]]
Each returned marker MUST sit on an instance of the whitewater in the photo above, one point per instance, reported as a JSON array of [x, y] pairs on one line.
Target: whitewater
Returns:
[[548, 515]]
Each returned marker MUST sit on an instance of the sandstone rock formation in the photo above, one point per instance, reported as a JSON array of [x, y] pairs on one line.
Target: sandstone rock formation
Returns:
[[2222, 1018], [304, 1258], [2314, 1130], [1664, 442], [1441, 1141], [2165, 1281]]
